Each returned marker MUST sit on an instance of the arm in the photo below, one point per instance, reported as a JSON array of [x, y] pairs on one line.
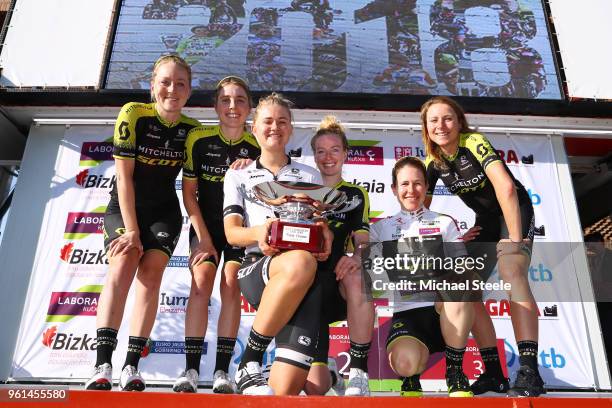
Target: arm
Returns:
[[238, 235], [124, 169], [205, 248]]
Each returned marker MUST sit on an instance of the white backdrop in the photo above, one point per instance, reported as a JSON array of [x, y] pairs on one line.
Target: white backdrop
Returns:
[[56, 337]]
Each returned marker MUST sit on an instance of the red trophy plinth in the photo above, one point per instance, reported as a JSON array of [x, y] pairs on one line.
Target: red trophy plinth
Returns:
[[295, 235]]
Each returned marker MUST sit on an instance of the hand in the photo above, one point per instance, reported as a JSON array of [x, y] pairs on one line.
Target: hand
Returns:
[[328, 238], [347, 265], [472, 233], [262, 238], [506, 246], [240, 164], [124, 243], [202, 252]]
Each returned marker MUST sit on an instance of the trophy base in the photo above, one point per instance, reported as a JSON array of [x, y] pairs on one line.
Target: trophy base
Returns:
[[290, 235]]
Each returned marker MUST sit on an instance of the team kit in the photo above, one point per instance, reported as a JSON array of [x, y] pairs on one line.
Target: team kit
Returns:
[[297, 243]]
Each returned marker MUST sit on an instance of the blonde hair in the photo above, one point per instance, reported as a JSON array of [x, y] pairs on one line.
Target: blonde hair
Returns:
[[169, 58], [273, 99], [330, 125], [236, 80], [431, 148]]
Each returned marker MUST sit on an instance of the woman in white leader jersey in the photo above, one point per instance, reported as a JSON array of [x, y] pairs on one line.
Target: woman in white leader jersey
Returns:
[[280, 285], [419, 328]]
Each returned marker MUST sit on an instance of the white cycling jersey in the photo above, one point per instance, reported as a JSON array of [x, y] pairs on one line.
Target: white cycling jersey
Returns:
[[239, 198], [416, 225]]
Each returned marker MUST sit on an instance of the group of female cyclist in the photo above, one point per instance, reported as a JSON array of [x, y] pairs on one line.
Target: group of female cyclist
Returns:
[[296, 293]]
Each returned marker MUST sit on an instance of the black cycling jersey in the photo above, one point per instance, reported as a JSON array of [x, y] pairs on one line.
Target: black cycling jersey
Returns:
[[157, 147], [344, 224], [208, 155], [464, 175]]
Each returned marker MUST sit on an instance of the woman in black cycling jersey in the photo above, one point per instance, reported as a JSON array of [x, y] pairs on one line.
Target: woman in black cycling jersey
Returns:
[[209, 151], [471, 169], [341, 274], [143, 218]]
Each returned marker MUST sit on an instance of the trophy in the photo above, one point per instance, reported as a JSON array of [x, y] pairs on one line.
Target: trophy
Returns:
[[295, 204]]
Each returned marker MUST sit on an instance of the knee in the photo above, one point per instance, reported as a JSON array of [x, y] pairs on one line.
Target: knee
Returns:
[[512, 273], [352, 284], [315, 389], [149, 278], [299, 268], [405, 364]]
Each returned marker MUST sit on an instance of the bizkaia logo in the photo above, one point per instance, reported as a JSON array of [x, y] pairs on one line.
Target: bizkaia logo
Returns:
[[81, 224], [87, 180], [413, 151], [63, 306], [75, 256], [511, 157], [56, 340], [365, 152], [371, 186], [94, 153]]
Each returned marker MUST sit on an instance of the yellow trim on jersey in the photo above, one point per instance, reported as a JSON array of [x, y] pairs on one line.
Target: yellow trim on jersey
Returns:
[[404, 337], [318, 363], [159, 250]]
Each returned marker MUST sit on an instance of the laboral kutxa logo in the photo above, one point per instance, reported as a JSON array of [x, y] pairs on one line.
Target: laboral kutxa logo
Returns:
[[365, 152], [63, 306], [94, 153], [81, 224]]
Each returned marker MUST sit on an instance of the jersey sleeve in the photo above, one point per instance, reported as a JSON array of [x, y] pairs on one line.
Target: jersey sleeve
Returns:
[[124, 137], [431, 175], [233, 199], [481, 149], [190, 165]]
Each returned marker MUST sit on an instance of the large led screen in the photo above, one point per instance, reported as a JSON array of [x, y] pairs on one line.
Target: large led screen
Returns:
[[495, 48]]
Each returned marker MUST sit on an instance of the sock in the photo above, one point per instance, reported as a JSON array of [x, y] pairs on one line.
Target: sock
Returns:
[[225, 349], [194, 347], [255, 348], [490, 358], [454, 358], [135, 347], [528, 353], [106, 341], [359, 355]]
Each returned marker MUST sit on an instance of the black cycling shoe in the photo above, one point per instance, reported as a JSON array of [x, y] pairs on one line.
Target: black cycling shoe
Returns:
[[411, 387], [528, 383], [487, 382], [458, 384]]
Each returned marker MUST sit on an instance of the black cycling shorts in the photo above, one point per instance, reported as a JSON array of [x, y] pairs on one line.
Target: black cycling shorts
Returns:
[[422, 323], [333, 309], [160, 227], [493, 229], [230, 253], [253, 277]]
